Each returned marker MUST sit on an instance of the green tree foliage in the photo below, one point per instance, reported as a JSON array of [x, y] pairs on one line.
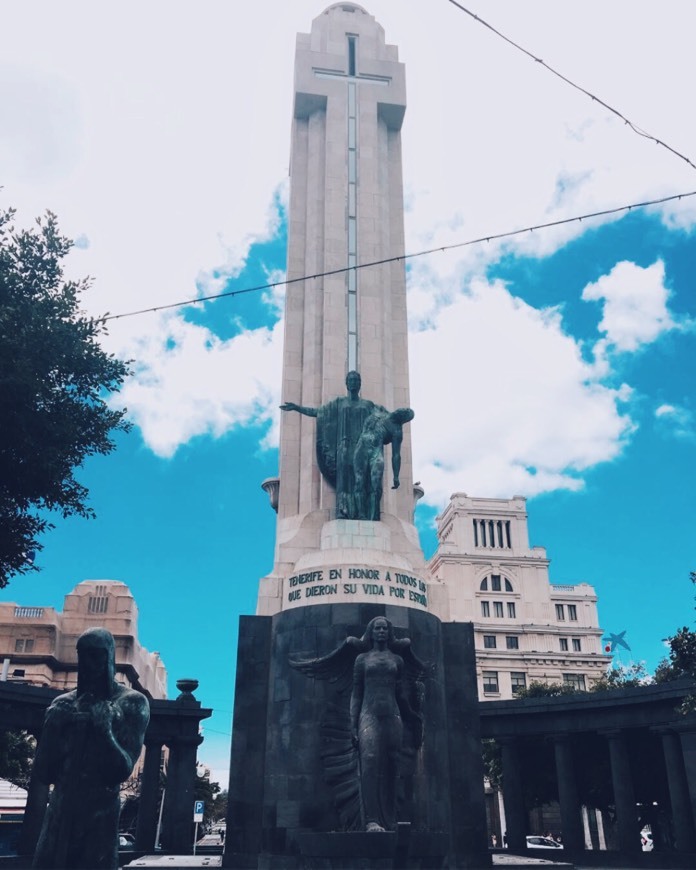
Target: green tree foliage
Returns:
[[537, 689], [492, 762], [622, 677], [219, 810], [54, 381], [682, 657], [207, 791], [16, 756]]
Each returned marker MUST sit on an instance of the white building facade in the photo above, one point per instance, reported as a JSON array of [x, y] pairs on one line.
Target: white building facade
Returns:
[[526, 628]]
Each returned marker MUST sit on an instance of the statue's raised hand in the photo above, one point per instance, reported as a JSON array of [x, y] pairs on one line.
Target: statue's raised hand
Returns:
[[289, 406]]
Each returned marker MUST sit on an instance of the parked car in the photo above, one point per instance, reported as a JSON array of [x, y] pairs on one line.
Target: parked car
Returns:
[[126, 841], [536, 842]]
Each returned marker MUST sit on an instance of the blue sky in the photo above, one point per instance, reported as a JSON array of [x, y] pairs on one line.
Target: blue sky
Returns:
[[557, 365]]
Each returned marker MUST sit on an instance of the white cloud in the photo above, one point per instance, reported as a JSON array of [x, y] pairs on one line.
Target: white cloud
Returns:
[[188, 383], [676, 420], [634, 301], [520, 411], [160, 133], [41, 129]]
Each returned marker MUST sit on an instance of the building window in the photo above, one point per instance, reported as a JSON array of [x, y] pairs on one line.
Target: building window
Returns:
[[351, 55], [492, 533], [576, 644], [490, 681], [518, 681], [485, 608], [497, 581], [560, 612], [489, 641], [498, 609], [577, 681], [99, 602], [572, 613], [24, 644], [512, 642], [511, 609], [564, 644]]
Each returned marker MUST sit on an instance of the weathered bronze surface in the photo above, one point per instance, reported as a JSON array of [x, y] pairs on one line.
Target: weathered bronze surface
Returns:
[[383, 723], [91, 739], [350, 439]]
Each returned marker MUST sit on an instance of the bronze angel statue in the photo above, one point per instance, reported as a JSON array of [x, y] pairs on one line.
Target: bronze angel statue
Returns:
[[370, 736]]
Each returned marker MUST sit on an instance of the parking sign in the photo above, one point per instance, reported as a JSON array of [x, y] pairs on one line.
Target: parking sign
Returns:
[[198, 810]]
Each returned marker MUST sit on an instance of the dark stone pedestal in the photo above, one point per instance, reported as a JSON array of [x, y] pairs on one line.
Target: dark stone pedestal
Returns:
[[400, 850], [282, 810]]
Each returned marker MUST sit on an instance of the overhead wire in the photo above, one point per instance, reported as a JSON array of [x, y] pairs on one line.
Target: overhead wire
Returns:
[[577, 87], [406, 256]]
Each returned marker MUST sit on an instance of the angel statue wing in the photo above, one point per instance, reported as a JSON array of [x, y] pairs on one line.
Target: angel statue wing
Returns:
[[339, 756], [415, 674], [336, 667]]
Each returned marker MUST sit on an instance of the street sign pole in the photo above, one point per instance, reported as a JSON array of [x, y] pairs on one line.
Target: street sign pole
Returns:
[[198, 811]]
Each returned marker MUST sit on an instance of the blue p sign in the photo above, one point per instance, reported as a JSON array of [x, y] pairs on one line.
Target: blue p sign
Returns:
[[198, 808]]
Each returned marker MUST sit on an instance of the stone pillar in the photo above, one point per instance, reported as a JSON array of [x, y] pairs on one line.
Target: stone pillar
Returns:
[[177, 818], [685, 838], [687, 734], [571, 818], [149, 788], [513, 795], [624, 794], [169, 813], [468, 845], [244, 837], [177, 822]]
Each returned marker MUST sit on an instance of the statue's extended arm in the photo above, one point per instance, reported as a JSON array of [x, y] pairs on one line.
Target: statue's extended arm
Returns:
[[395, 434], [291, 406], [397, 438]]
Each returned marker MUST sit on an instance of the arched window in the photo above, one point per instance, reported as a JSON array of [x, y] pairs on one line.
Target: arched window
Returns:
[[498, 583]]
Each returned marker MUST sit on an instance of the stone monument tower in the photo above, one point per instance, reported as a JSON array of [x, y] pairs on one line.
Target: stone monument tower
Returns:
[[346, 210], [355, 734]]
